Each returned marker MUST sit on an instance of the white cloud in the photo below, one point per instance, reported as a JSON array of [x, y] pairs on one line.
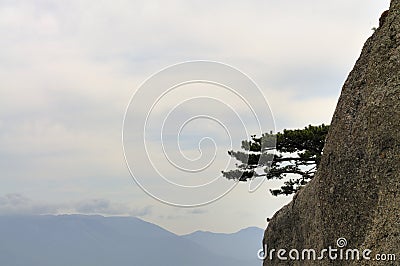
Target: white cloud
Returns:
[[104, 206], [18, 204], [14, 203]]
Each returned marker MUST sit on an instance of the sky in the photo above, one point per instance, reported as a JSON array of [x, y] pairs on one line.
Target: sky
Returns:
[[68, 70]]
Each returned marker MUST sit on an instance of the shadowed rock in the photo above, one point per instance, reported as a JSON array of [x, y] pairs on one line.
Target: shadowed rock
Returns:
[[355, 193]]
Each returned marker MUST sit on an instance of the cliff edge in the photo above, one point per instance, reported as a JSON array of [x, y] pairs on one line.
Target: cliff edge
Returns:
[[355, 194]]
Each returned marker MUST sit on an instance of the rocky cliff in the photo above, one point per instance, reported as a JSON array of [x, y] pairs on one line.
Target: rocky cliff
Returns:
[[356, 193]]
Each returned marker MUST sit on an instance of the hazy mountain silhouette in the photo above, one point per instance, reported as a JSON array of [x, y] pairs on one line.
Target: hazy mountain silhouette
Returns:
[[242, 245], [96, 240]]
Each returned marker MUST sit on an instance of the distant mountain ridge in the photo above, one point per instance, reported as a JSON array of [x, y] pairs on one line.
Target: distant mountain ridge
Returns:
[[240, 245], [85, 240]]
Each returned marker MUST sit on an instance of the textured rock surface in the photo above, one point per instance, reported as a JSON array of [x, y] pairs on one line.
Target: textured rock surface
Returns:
[[356, 192]]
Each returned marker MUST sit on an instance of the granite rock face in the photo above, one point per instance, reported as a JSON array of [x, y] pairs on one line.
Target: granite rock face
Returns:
[[356, 193]]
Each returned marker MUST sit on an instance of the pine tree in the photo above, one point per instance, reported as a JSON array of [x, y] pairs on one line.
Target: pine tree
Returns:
[[293, 155]]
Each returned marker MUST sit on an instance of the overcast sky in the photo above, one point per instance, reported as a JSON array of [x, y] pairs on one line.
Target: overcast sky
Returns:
[[69, 68]]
